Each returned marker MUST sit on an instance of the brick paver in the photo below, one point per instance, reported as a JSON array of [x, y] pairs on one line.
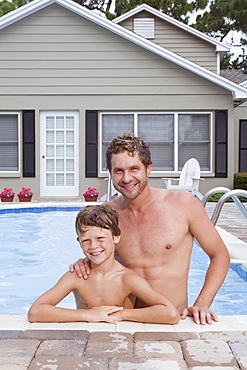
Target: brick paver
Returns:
[[61, 348], [110, 344], [74, 350], [207, 353], [146, 364], [68, 363]]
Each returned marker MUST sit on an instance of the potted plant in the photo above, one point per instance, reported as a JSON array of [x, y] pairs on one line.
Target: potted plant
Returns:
[[7, 195], [91, 195], [25, 195]]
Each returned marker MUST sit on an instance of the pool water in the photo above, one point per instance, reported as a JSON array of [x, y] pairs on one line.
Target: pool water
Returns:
[[36, 249]]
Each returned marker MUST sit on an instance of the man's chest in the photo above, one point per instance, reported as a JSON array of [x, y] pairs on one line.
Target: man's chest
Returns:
[[149, 237]]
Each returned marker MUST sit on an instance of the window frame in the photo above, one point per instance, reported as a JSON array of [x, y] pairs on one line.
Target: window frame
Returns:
[[17, 172], [176, 115]]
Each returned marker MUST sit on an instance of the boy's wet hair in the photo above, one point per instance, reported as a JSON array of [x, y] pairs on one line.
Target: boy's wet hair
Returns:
[[100, 216], [131, 143]]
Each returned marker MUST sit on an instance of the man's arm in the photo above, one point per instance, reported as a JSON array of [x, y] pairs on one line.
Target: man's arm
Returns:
[[44, 310], [159, 311], [209, 239]]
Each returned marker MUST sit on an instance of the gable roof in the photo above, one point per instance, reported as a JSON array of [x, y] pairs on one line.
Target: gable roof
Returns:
[[236, 75], [220, 47], [239, 93]]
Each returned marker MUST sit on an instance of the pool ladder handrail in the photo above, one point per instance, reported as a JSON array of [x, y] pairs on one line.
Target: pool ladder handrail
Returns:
[[228, 194]]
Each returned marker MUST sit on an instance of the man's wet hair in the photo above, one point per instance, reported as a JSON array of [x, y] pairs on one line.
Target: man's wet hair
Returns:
[[102, 216], [131, 143]]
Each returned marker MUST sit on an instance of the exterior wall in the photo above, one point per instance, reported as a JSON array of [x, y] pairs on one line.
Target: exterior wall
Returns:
[[239, 114], [56, 60], [58, 52], [179, 41]]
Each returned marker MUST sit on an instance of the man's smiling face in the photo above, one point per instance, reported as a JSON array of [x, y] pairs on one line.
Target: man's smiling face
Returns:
[[129, 175]]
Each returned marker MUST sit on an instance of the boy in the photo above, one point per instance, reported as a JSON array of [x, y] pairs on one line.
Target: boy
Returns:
[[109, 293]]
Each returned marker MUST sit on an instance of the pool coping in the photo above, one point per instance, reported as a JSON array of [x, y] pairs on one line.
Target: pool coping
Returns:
[[225, 323], [39, 207]]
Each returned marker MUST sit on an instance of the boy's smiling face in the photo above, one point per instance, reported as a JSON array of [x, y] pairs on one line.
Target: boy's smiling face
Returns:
[[98, 244]]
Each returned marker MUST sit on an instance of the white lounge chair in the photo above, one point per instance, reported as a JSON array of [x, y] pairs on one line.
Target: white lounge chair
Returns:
[[111, 191], [189, 178]]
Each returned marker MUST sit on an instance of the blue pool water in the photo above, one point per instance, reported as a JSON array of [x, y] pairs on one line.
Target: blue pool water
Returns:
[[37, 248]]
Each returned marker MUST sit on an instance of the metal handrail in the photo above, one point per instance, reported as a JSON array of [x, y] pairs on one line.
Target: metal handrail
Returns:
[[212, 192], [230, 194]]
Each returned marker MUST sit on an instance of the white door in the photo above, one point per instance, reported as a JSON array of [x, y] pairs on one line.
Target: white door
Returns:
[[59, 149]]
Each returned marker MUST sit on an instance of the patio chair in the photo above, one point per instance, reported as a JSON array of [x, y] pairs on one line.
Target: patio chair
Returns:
[[111, 191], [189, 178]]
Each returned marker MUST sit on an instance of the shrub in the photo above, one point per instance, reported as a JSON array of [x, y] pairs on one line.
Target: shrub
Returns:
[[240, 180]]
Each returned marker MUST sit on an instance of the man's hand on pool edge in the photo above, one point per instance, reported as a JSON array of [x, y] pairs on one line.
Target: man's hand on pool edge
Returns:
[[201, 315], [81, 267]]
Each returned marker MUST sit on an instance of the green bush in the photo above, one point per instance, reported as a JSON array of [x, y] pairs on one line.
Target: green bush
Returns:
[[240, 180], [217, 196]]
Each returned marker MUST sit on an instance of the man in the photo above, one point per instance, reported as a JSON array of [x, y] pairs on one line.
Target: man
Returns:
[[158, 229]]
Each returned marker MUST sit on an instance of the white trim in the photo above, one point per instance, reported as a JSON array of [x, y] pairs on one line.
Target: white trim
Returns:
[[244, 84], [218, 63], [15, 173], [239, 93], [175, 148], [219, 45], [63, 191], [175, 114]]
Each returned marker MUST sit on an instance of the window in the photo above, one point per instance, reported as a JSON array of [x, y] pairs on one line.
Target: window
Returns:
[[173, 138], [144, 27], [9, 142]]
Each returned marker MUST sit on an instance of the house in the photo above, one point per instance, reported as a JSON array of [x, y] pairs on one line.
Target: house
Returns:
[[71, 80], [239, 76]]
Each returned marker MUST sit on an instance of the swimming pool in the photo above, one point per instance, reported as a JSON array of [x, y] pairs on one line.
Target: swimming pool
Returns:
[[37, 247]]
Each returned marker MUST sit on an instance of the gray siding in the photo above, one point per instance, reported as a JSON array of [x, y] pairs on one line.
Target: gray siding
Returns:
[[179, 41], [57, 60], [58, 52]]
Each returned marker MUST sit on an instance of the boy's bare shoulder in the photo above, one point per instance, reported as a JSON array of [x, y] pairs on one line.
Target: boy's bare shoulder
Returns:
[[72, 279]]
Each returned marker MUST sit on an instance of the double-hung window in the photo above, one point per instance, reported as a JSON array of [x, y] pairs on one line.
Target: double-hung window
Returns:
[[9, 143], [173, 138]]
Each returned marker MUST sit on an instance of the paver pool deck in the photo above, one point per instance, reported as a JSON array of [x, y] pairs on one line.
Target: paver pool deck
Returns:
[[133, 346]]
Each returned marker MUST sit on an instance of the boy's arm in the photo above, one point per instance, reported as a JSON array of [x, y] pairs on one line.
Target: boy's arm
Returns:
[[160, 310], [44, 310]]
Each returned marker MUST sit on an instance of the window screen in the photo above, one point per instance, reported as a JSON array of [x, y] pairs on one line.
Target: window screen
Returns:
[[9, 146]]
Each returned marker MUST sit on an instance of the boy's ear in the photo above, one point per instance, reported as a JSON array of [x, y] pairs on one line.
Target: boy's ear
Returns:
[[116, 238]]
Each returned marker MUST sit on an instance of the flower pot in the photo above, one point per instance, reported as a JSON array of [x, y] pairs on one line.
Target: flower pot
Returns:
[[4, 198], [88, 198], [22, 198]]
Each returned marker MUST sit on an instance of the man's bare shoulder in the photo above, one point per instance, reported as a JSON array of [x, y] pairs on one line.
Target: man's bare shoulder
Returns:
[[181, 196], [116, 203]]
